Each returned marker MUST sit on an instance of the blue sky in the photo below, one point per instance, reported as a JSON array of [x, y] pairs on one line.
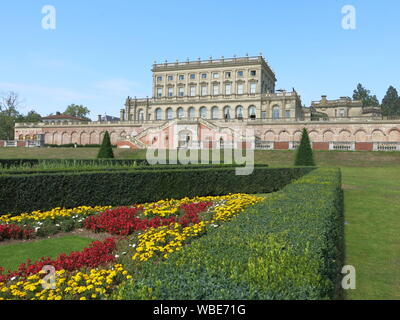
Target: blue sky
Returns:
[[102, 51]]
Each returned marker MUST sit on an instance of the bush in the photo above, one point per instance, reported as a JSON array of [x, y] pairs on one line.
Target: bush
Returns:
[[25, 193], [106, 151], [304, 154], [287, 247]]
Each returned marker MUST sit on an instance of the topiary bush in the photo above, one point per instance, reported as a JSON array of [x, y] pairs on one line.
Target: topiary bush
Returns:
[[106, 151], [304, 154]]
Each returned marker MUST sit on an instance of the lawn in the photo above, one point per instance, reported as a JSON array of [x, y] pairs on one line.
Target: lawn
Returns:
[[12, 255], [372, 207]]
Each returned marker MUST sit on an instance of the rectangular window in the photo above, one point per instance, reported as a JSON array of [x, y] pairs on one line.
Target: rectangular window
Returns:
[[192, 76], [159, 92], [287, 113], [253, 73], [181, 77], [181, 91], [240, 88], [204, 90], [215, 89], [253, 87], [192, 91], [170, 92], [240, 74], [215, 75], [228, 89], [170, 78], [227, 74], [204, 75], [159, 78]]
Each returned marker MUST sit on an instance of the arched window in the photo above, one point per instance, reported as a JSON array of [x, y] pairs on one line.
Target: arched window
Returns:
[[227, 112], [180, 113], [158, 114], [192, 113], [275, 112], [141, 115], [252, 112], [214, 113], [239, 112], [203, 112], [169, 114]]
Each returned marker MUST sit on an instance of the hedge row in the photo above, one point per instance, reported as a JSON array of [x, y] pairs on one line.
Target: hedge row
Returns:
[[24, 193], [288, 247]]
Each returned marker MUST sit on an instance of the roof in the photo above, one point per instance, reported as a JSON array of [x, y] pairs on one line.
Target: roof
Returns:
[[63, 116]]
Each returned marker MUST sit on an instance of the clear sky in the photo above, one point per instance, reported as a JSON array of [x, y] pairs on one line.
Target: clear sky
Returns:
[[102, 51]]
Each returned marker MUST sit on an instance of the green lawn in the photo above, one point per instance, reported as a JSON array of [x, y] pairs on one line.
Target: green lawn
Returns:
[[11, 256], [372, 211]]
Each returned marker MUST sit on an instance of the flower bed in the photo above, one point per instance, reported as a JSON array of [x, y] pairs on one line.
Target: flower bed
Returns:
[[12, 231], [155, 230]]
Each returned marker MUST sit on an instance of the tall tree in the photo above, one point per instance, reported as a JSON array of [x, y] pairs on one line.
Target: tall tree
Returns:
[[304, 154], [106, 151], [31, 117], [9, 103], [365, 96], [391, 103], [77, 111]]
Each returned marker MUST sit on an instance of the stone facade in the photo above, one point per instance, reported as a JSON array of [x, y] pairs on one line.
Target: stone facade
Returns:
[[207, 104]]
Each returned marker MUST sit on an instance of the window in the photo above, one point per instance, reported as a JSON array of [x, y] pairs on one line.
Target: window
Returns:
[[191, 113], [227, 112], [228, 89], [159, 78], [192, 91], [240, 88], [158, 114], [253, 73], [170, 92], [181, 77], [180, 113], [141, 115], [228, 74], [252, 112], [240, 74], [159, 92], [215, 75], [170, 78], [204, 90], [253, 87], [203, 112], [216, 89], [275, 112], [204, 75], [239, 112], [287, 114], [215, 113], [181, 91], [170, 114], [192, 76]]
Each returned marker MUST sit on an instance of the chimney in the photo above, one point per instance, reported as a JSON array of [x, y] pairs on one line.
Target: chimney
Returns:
[[99, 118], [122, 114], [323, 99]]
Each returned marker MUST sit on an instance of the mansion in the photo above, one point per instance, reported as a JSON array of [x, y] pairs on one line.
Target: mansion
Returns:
[[210, 103]]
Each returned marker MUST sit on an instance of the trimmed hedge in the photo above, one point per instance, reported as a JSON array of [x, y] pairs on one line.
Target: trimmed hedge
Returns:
[[288, 247], [24, 193]]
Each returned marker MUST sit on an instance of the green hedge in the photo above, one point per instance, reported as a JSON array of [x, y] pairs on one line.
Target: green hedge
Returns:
[[24, 193], [288, 247]]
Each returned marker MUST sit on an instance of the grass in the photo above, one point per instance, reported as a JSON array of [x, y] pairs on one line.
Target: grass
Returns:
[[372, 207], [12, 255]]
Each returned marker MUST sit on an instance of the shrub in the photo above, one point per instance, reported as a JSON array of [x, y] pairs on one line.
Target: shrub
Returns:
[[11, 231], [304, 154], [106, 151], [26, 193], [287, 247]]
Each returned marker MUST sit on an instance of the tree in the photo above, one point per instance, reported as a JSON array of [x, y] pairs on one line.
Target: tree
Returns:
[[365, 96], [391, 103], [77, 111], [304, 154], [31, 117], [9, 103], [106, 151]]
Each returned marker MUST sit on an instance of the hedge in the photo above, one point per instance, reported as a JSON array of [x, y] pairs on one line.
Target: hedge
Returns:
[[24, 193], [288, 247]]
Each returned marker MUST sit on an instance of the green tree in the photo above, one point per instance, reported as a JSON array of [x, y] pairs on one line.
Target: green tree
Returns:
[[304, 154], [106, 151], [77, 111], [8, 115], [391, 103], [365, 96], [32, 116]]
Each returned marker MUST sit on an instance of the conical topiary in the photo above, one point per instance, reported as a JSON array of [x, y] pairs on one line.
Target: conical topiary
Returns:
[[304, 154], [105, 151]]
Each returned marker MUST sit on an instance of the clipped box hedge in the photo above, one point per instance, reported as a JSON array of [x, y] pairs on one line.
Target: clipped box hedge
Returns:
[[288, 247], [24, 193]]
